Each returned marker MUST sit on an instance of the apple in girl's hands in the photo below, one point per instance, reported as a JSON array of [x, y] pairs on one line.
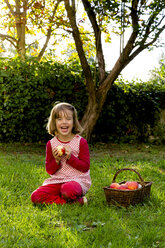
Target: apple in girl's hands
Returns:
[[61, 150]]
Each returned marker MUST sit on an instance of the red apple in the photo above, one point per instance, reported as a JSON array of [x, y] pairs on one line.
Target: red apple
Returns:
[[61, 150], [114, 185], [132, 185], [123, 187]]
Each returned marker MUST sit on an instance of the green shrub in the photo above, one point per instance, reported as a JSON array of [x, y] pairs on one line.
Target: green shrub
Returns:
[[29, 89], [131, 112]]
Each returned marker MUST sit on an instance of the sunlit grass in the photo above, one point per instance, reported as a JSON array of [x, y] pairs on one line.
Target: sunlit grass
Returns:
[[96, 225]]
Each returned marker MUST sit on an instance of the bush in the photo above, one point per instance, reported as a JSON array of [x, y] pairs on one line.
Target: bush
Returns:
[[131, 112], [29, 90]]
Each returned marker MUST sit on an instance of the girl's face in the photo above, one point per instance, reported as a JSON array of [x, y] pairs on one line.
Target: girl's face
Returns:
[[64, 124]]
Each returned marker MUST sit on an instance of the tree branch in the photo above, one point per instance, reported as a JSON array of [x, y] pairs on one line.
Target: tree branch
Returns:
[[79, 46], [10, 8], [97, 32], [148, 30], [135, 26], [141, 48], [31, 3], [49, 31], [124, 58], [9, 38], [142, 44]]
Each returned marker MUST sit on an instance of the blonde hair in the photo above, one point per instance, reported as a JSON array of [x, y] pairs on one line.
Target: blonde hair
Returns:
[[55, 113]]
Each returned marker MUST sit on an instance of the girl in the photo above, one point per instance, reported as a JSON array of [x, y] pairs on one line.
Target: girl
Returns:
[[69, 172]]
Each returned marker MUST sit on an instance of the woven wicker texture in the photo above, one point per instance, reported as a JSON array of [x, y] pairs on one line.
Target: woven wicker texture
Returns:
[[125, 198]]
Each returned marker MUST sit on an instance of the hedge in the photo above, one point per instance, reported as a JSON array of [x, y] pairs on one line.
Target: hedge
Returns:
[[28, 92], [132, 113], [29, 89]]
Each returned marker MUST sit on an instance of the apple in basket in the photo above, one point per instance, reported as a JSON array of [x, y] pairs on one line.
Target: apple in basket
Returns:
[[61, 150], [123, 187], [132, 185], [114, 186]]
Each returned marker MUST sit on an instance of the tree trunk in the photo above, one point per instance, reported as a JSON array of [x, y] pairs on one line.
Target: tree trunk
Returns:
[[89, 119], [95, 104], [20, 18], [21, 39], [97, 98]]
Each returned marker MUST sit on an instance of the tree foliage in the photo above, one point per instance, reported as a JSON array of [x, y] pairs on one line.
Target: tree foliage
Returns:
[[158, 74], [22, 22]]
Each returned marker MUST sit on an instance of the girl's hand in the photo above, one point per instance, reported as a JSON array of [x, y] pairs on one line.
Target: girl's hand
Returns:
[[68, 152], [56, 155]]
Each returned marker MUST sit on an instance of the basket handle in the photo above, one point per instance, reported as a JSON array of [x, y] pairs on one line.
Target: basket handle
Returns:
[[124, 169]]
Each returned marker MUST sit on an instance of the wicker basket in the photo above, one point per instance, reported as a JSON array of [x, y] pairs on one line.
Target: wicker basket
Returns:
[[125, 198]]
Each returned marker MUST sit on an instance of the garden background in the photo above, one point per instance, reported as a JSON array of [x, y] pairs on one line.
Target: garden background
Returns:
[[123, 121], [133, 112], [128, 134]]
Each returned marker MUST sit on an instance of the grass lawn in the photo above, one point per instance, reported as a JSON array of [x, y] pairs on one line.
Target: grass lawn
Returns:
[[97, 225]]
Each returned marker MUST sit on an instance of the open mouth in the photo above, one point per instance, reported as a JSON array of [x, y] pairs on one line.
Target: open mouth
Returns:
[[64, 129]]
